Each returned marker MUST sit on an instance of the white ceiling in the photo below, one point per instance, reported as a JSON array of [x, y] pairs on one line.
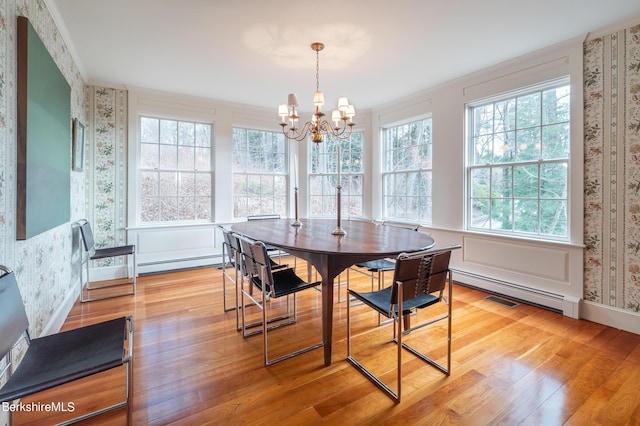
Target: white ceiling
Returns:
[[257, 51]]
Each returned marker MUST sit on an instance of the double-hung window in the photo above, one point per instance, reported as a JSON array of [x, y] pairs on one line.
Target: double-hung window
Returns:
[[259, 173], [323, 177], [175, 170], [518, 163], [406, 172]]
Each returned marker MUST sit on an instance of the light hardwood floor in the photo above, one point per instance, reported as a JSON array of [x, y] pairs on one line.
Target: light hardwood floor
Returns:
[[523, 365]]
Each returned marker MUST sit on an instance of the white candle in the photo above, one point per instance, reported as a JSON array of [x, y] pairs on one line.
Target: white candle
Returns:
[[295, 170], [339, 165]]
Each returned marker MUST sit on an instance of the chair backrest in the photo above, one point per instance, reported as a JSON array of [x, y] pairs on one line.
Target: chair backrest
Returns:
[[421, 272], [87, 237], [263, 264], [13, 317], [249, 266], [232, 244]]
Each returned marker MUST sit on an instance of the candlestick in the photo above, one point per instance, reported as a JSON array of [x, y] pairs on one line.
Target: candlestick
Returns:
[[296, 222], [295, 171], [339, 165]]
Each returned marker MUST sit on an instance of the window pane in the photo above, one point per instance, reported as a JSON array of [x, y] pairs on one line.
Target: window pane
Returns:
[[168, 132], [525, 181], [187, 184], [501, 214], [149, 130], [168, 157], [203, 185], [149, 158], [528, 144], [553, 217], [502, 182], [168, 184], [185, 158], [528, 110], [149, 184], [526, 215], [553, 181], [203, 135], [555, 106], [555, 141], [186, 208], [203, 208], [186, 133], [168, 209], [150, 208]]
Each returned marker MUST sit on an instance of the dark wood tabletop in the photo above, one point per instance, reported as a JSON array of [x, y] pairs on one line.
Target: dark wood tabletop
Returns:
[[331, 254]]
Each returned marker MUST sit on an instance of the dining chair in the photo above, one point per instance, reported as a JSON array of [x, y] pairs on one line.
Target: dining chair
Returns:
[[92, 253], [272, 285], [268, 216], [421, 279], [249, 268], [375, 269], [61, 358], [231, 258]]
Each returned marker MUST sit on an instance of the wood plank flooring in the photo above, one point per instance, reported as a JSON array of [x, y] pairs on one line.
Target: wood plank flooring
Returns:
[[523, 365]]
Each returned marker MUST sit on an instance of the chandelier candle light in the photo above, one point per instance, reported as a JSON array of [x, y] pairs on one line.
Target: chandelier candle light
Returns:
[[317, 127]]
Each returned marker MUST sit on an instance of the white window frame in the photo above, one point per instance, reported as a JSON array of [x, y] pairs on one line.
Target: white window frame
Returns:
[[532, 163], [328, 174], [271, 204], [208, 172], [425, 168]]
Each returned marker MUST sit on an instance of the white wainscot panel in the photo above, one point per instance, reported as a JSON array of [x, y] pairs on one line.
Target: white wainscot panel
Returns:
[[540, 272], [539, 262], [162, 249]]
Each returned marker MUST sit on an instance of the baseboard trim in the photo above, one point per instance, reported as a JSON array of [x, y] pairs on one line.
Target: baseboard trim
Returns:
[[611, 316]]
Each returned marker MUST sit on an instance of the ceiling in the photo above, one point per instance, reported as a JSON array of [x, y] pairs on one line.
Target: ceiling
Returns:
[[257, 51]]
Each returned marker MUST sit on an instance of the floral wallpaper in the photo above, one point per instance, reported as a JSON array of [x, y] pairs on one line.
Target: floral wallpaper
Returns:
[[612, 169], [43, 264], [106, 156]]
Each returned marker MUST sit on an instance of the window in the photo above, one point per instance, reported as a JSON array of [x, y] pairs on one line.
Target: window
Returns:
[[406, 172], [323, 178], [175, 170], [518, 163], [259, 173]]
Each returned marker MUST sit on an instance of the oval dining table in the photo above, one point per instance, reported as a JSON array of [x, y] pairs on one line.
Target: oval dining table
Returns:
[[331, 254]]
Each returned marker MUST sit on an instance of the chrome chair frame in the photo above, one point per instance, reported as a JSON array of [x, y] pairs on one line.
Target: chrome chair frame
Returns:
[[91, 253], [94, 349], [250, 269], [271, 286], [394, 303]]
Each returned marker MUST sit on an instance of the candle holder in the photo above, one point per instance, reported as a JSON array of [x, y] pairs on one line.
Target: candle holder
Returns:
[[339, 230], [296, 222]]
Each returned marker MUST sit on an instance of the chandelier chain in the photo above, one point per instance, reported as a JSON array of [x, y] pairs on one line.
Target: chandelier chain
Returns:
[[317, 70]]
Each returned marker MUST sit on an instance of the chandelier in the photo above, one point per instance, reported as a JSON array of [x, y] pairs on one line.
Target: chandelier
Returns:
[[342, 117]]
